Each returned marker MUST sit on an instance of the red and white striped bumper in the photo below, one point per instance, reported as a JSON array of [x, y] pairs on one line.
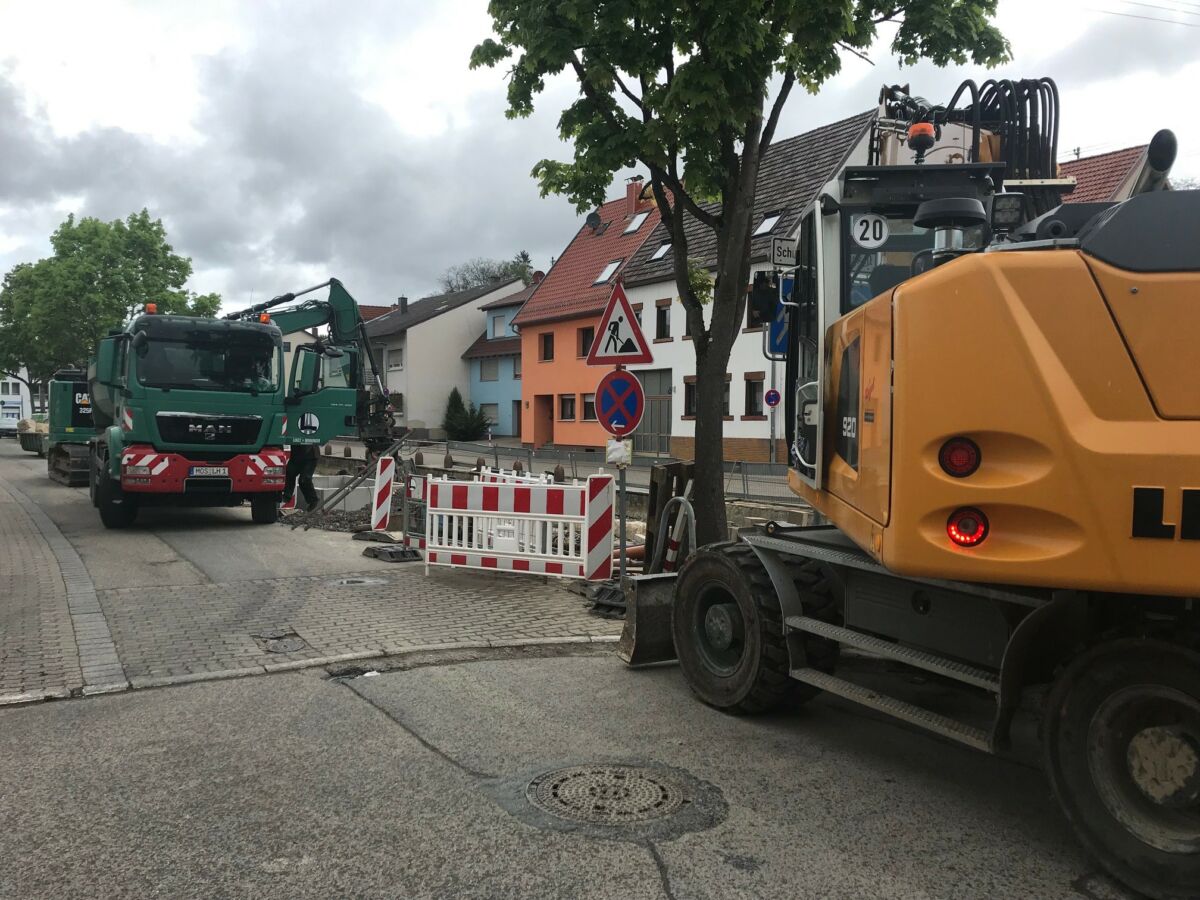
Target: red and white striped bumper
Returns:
[[146, 470]]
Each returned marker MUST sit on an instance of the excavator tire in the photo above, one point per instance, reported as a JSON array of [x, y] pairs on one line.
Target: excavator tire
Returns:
[[1121, 749], [728, 629]]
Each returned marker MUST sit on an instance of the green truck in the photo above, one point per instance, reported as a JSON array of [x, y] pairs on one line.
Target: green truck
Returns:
[[199, 412]]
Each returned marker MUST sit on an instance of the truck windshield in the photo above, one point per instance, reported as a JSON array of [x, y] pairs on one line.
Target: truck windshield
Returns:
[[244, 363]]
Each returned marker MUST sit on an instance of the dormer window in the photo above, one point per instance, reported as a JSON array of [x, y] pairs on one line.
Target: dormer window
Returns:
[[768, 223], [609, 271], [636, 222], [661, 251]]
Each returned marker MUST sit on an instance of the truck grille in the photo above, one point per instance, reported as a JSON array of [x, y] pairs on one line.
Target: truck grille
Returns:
[[208, 431]]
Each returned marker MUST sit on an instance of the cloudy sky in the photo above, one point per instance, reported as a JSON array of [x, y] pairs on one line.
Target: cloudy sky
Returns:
[[284, 142]]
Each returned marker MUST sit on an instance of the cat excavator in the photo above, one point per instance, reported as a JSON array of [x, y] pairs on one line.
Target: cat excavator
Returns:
[[992, 402]]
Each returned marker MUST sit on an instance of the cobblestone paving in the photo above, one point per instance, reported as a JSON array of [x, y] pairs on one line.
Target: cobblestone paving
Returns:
[[38, 653], [199, 630]]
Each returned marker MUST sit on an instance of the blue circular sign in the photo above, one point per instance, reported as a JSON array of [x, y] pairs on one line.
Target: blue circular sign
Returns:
[[772, 398], [620, 402]]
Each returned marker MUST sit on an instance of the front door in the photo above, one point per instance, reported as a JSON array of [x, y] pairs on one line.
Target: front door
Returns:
[[516, 418], [543, 420], [653, 436]]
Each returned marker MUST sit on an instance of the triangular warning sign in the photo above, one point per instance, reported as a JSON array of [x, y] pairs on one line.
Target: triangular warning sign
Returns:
[[619, 340]]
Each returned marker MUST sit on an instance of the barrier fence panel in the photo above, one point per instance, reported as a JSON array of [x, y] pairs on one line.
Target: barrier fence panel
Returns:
[[564, 530]]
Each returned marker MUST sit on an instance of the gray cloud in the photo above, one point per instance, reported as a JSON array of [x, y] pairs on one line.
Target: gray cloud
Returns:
[[1117, 46], [295, 169]]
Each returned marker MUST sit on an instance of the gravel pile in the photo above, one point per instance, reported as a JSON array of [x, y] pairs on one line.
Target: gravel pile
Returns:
[[338, 520]]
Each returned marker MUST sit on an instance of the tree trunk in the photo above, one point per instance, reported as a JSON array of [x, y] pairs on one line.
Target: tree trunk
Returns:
[[708, 496]]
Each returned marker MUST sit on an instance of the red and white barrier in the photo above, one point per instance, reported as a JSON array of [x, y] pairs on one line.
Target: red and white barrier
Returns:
[[500, 476], [381, 497], [548, 529]]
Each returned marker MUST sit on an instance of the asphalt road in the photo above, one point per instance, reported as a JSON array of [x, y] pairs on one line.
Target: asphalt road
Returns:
[[411, 784]]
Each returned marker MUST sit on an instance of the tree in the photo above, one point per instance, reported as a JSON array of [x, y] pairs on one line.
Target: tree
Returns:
[[479, 271], [663, 83], [100, 274], [463, 422]]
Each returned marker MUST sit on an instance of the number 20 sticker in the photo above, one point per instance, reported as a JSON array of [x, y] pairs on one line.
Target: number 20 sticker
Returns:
[[870, 231]]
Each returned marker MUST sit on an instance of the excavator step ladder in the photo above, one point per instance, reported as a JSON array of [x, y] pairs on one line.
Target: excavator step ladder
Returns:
[[963, 733]]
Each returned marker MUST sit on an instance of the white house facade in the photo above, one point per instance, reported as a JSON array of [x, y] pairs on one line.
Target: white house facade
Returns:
[[420, 346]]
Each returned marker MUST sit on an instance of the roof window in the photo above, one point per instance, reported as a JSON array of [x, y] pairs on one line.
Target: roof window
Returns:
[[636, 222], [768, 223], [661, 251], [609, 271]]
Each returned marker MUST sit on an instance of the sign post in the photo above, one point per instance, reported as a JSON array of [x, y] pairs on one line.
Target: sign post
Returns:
[[620, 400]]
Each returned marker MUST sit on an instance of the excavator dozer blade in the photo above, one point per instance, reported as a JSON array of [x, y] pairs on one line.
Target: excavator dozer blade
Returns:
[[646, 638]]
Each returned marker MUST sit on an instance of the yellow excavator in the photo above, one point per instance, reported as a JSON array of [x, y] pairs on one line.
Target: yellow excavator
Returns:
[[993, 402]]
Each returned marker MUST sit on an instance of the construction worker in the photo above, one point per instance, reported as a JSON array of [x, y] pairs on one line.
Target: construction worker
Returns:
[[302, 463]]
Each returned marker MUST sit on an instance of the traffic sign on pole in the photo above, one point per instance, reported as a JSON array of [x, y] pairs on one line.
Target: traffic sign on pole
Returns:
[[620, 402], [772, 397], [619, 340]]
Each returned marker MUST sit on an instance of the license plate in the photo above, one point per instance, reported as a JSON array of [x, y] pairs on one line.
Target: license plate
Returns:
[[209, 471]]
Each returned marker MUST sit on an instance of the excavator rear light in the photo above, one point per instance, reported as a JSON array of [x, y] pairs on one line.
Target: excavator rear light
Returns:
[[151, 309], [264, 318], [967, 527], [959, 457]]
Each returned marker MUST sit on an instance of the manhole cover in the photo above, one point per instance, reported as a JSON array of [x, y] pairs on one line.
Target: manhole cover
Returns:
[[357, 582], [606, 795], [286, 644]]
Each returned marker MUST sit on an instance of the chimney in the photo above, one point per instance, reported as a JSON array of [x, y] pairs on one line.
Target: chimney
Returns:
[[402, 302], [538, 275], [633, 194]]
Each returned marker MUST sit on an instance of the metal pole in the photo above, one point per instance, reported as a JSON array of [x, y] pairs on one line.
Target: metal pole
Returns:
[[621, 487]]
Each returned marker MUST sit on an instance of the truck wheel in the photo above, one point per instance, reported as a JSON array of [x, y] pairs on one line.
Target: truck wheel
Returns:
[[1121, 744], [728, 629], [264, 509], [117, 510]]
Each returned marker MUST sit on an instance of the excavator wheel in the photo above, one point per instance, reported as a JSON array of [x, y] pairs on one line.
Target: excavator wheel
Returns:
[[728, 629], [1121, 743]]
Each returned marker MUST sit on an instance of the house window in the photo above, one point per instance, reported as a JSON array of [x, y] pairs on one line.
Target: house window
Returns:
[[608, 272], [489, 369], [516, 367], [287, 346], [589, 407], [546, 346], [687, 324], [725, 400], [498, 326], [586, 337], [566, 407], [397, 399], [396, 358], [767, 224], [754, 396], [689, 399], [492, 411], [661, 251], [635, 223], [754, 319], [662, 323], [4, 388]]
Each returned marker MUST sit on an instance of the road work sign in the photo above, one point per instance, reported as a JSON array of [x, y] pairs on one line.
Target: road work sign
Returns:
[[620, 403], [619, 340]]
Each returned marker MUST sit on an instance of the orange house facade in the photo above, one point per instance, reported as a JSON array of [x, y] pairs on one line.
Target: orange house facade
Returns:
[[558, 322]]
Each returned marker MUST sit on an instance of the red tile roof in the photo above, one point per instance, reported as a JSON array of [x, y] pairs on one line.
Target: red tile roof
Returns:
[[1098, 178], [568, 290], [485, 346], [370, 312]]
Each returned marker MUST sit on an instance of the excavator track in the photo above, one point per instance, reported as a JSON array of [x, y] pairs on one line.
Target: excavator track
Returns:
[[68, 464]]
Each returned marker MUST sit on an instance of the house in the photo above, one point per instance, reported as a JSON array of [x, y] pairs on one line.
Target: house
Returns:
[[420, 348], [1105, 176], [15, 401], [792, 175], [495, 363], [558, 322]]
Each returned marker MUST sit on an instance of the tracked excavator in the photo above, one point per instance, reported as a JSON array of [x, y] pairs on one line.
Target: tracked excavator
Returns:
[[992, 400], [198, 412]]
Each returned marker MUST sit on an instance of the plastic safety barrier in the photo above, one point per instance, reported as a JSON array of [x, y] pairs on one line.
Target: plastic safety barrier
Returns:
[[565, 530]]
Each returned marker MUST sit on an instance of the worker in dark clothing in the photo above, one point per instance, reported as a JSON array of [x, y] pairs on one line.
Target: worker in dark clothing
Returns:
[[300, 468]]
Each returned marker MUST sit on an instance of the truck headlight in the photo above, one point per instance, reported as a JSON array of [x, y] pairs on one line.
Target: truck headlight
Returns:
[[137, 470], [273, 470]]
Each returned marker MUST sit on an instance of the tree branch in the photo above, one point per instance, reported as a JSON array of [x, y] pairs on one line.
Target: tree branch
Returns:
[[855, 52], [768, 134]]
